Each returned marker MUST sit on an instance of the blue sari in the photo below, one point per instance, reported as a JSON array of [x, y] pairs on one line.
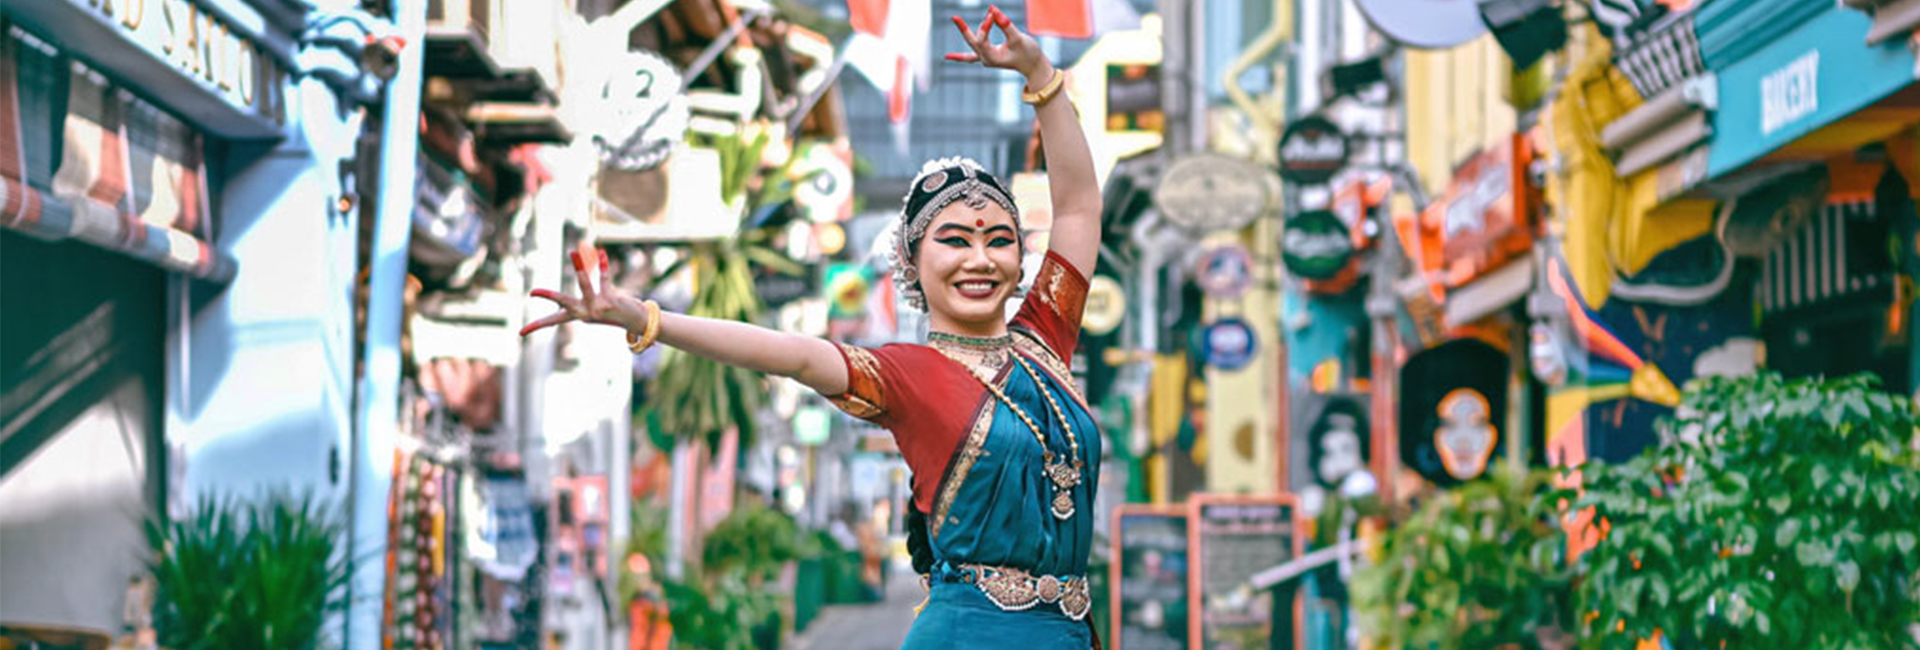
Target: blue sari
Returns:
[[1005, 572], [994, 509]]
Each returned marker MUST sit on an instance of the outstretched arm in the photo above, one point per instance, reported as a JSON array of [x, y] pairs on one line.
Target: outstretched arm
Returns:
[[1074, 189], [811, 361]]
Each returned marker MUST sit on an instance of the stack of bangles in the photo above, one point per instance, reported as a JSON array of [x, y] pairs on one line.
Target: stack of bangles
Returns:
[[650, 332]]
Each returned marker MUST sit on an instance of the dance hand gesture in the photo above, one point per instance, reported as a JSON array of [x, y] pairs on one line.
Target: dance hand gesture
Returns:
[[1020, 53], [606, 306]]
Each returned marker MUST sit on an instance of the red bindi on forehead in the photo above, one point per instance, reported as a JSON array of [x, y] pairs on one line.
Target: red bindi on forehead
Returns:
[[979, 223]]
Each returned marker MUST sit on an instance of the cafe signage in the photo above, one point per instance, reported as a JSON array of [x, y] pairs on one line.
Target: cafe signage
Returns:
[[1206, 193], [202, 46], [1312, 150], [1315, 245]]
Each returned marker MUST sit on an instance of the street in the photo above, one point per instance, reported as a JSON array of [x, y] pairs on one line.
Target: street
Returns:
[[877, 626]]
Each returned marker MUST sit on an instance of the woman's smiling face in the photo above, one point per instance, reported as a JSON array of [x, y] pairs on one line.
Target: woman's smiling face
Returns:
[[969, 265]]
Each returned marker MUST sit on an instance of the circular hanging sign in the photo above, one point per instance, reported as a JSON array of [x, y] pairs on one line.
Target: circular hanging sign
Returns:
[[1426, 23], [1106, 306], [1315, 245], [1225, 271], [1312, 150], [642, 112], [1206, 193], [1229, 344]]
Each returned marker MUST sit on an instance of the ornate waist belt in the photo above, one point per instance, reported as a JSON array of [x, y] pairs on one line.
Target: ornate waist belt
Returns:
[[1014, 589]]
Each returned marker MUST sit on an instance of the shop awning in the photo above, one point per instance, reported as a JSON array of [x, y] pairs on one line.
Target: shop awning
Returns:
[[130, 177], [1789, 67], [1489, 293]]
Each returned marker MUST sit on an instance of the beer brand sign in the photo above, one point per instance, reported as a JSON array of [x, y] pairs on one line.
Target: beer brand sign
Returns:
[[1312, 150]]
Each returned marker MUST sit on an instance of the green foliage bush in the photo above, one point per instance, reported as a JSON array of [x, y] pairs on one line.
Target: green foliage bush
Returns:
[[1780, 514], [248, 574], [1472, 567]]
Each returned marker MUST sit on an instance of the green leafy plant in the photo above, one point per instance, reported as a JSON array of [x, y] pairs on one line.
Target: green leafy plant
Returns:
[[725, 597], [248, 574], [1781, 514], [1473, 567]]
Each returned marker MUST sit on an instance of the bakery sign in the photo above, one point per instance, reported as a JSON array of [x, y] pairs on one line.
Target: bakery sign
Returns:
[[202, 46]]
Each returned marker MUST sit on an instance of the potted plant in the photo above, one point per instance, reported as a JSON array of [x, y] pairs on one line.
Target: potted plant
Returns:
[[1472, 567], [265, 573], [1779, 514]]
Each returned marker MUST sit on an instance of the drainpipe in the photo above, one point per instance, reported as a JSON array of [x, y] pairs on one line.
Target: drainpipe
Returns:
[[377, 390]]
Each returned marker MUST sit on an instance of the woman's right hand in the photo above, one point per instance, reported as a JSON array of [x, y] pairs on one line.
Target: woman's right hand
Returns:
[[607, 306]]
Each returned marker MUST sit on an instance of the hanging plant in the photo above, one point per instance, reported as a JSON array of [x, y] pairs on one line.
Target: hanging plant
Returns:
[[693, 396], [1473, 567], [1781, 514]]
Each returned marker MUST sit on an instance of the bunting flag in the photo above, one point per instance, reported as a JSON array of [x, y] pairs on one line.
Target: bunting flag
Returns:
[[889, 48], [1080, 18]]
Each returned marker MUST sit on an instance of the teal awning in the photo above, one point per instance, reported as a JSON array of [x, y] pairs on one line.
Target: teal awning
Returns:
[[1788, 67]]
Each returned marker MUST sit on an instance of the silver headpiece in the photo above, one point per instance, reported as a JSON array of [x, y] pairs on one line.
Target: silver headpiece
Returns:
[[941, 182]]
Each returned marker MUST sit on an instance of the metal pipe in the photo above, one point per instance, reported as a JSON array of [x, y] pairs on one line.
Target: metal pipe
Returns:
[[377, 390]]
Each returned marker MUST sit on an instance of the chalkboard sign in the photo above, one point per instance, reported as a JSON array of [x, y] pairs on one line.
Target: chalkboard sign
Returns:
[[1232, 538], [1149, 577]]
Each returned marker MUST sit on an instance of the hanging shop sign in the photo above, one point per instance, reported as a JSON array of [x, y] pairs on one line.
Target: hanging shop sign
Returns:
[[1106, 306], [1225, 271], [1359, 204], [1338, 437], [1433, 24], [1231, 539], [1816, 72], [1315, 245], [1229, 344], [823, 182], [1485, 216], [1452, 406], [642, 112], [1149, 576], [1211, 193], [1312, 150], [777, 289], [846, 287]]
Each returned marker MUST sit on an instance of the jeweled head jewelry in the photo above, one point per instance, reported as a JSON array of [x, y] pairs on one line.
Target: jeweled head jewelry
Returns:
[[942, 182]]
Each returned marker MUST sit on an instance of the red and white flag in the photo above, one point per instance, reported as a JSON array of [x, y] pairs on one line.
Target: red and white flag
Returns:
[[889, 47], [1079, 18]]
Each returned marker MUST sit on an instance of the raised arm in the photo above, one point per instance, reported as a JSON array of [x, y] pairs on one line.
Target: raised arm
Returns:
[[1075, 190], [811, 361]]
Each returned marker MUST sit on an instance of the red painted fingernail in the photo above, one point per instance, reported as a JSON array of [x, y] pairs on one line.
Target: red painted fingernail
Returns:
[[956, 57], [603, 259], [577, 264], [524, 330], [958, 21]]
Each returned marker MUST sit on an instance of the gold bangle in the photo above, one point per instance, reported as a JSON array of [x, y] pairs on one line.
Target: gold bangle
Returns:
[[1046, 92], [649, 333]]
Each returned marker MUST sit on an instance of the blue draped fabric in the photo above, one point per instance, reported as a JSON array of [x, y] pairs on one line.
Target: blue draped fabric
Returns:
[[1000, 515]]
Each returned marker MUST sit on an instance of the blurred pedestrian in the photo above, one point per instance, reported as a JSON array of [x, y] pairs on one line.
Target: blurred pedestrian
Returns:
[[1004, 451]]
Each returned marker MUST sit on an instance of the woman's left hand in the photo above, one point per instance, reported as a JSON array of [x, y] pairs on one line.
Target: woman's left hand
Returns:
[[1020, 53]]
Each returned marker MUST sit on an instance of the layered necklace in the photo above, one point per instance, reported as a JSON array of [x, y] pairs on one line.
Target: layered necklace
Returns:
[[1063, 473]]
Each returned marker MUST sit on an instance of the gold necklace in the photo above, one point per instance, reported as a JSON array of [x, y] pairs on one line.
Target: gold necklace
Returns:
[[1063, 475], [991, 352]]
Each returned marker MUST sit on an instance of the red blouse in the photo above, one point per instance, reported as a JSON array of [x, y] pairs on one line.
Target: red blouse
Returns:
[[928, 401]]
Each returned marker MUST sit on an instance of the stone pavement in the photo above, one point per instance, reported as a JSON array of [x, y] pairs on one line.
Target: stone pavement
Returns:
[[877, 626]]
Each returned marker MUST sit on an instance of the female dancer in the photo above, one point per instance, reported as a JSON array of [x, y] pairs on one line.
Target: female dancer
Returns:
[[1004, 453]]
